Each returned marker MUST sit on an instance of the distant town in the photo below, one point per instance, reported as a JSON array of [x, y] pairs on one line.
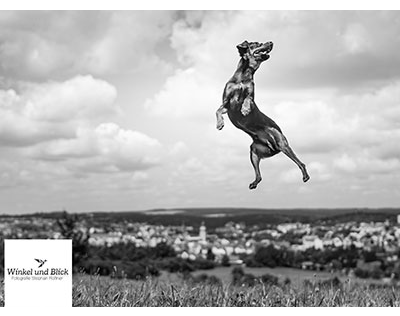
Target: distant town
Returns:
[[372, 246]]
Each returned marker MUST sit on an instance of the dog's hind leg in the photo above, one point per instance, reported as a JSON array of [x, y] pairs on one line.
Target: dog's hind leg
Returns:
[[255, 161], [283, 145], [290, 153]]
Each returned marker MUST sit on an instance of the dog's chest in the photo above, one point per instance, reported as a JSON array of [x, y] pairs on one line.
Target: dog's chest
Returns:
[[238, 87], [238, 92]]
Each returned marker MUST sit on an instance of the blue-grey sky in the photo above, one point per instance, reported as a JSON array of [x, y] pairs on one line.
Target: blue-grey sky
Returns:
[[103, 111]]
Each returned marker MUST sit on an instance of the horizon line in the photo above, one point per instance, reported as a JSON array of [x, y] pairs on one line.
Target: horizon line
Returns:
[[205, 208]]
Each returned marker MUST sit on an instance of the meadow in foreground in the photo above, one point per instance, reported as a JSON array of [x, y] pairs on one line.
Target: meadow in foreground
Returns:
[[101, 291], [104, 291]]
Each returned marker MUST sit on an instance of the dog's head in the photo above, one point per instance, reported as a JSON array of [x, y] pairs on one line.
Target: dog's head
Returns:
[[254, 52]]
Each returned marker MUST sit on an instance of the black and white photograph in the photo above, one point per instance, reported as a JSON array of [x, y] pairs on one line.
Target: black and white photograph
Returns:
[[205, 158]]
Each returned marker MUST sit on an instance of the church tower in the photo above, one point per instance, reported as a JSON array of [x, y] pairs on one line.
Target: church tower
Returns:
[[202, 232]]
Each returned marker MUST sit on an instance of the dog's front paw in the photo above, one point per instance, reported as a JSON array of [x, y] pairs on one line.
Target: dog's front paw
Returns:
[[245, 110], [220, 124]]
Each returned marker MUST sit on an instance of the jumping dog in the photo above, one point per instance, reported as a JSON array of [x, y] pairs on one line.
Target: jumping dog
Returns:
[[238, 102]]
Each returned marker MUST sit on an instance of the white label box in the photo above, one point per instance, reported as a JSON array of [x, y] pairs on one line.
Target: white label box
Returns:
[[37, 273]]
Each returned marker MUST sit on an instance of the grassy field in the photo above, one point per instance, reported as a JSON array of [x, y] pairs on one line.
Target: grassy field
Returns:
[[101, 291], [296, 276], [305, 289]]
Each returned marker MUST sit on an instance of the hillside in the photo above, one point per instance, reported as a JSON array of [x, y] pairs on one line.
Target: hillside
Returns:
[[217, 217]]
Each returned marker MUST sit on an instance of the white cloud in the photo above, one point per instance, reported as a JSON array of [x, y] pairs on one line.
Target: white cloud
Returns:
[[40, 44], [362, 164], [187, 94], [77, 98], [128, 148], [356, 39], [124, 47], [52, 110], [63, 130], [345, 163], [106, 148], [314, 126], [291, 176], [178, 148], [319, 172]]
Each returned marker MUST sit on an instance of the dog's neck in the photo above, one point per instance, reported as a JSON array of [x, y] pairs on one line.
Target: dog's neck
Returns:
[[244, 72]]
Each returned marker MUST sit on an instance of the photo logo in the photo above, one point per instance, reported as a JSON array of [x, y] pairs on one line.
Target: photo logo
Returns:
[[37, 272], [41, 262]]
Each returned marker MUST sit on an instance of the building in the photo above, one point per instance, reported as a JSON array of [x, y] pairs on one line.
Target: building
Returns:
[[202, 232]]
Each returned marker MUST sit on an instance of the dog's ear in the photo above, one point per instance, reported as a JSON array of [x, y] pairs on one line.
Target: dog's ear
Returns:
[[242, 48]]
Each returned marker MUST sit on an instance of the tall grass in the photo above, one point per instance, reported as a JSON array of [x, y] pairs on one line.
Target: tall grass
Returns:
[[105, 291], [100, 291]]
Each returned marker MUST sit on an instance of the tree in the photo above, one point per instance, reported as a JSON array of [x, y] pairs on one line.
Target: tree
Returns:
[[163, 250], [210, 255], [225, 261], [69, 229], [369, 256], [267, 256]]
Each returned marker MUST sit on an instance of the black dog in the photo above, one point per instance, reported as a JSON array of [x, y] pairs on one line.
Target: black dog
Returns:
[[238, 102]]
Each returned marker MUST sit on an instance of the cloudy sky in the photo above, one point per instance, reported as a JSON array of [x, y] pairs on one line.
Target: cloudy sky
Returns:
[[104, 111]]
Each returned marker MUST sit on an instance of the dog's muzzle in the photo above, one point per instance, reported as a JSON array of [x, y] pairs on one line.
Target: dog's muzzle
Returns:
[[264, 50]]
